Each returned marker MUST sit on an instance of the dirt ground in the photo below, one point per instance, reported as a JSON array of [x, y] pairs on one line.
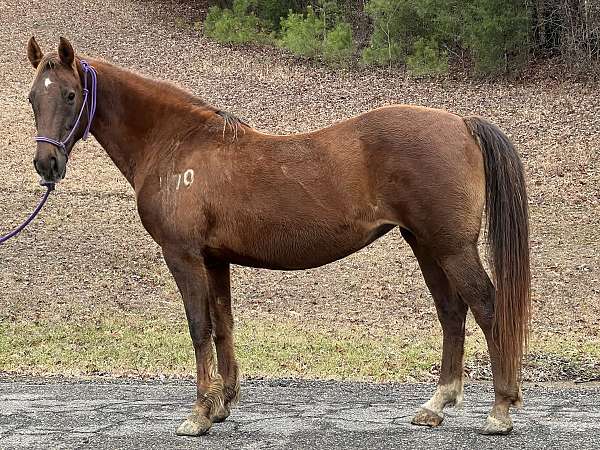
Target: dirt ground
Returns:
[[88, 255]]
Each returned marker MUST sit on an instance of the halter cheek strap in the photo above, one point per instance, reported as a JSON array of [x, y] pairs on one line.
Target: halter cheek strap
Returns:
[[91, 109]]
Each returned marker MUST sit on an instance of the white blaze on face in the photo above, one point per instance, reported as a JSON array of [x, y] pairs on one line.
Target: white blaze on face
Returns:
[[47, 82]]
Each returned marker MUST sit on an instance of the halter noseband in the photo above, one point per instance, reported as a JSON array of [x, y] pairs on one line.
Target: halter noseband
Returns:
[[91, 108]]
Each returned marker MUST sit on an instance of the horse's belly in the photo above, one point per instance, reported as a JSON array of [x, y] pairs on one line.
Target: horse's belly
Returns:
[[296, 250]]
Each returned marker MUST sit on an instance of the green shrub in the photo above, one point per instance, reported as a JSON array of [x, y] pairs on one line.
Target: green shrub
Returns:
[[414, 31], [418, 33], [496, 32], [313, 34], [387, 40], [416, 28], [235, 25], [427, 59], [273, 11], [338, 45], [303, 35], [330, 13]]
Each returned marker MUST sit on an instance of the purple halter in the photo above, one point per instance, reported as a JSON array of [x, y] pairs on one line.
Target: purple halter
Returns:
[[87, 69], [91, 110]]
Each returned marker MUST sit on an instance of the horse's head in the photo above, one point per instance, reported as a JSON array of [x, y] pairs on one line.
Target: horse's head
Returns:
[[56, 98]]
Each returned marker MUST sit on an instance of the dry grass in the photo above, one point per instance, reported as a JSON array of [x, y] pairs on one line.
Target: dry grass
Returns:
[[132, 345], [88, 257]]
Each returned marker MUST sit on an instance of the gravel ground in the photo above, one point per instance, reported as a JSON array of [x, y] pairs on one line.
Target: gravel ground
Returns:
[[88, 255]]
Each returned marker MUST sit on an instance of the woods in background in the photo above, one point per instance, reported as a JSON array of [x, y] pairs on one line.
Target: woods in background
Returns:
[[487, 36]]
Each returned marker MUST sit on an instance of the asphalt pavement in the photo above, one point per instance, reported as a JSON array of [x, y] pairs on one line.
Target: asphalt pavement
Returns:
[[287, 414]]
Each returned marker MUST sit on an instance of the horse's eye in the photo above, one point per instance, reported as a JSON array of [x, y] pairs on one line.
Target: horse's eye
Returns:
[[71, 96]]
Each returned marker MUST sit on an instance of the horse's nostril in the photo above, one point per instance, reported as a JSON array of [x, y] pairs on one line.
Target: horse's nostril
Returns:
[[53, 164], [36, 165]]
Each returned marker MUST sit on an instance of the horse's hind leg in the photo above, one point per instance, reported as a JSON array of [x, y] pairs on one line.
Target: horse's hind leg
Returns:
[[467, 275], [222, 324], [194, 281], [452, 313]]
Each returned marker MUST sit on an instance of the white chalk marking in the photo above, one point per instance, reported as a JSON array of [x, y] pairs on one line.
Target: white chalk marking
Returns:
[[182, 179], [188, 177]]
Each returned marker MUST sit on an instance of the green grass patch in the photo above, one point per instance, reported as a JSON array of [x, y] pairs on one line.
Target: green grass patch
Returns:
[[116, 346], [133, 345], [282, 350]]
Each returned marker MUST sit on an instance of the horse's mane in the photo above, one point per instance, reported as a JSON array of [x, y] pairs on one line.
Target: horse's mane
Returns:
[[230, 121]]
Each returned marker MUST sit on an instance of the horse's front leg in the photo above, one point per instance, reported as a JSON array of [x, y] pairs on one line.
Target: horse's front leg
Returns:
[[194, 281]]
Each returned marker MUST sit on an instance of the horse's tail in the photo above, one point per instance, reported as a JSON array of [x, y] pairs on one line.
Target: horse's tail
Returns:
[[508, 242]]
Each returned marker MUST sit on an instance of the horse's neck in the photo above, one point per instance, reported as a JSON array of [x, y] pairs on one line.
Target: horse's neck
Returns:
[[129, 122]]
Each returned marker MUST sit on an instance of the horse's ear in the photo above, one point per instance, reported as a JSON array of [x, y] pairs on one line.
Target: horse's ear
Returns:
[[34, 52], [65, 51]]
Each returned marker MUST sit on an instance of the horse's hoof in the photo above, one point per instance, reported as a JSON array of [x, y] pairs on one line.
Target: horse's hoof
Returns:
[[427, 418], [221, 415], [495, 425], [195, 425]]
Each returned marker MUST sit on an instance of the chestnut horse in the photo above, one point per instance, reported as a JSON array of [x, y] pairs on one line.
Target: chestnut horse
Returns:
[[212, 191]]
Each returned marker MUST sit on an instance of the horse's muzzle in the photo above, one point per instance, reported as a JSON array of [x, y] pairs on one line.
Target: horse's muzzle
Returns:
[[52, 169]]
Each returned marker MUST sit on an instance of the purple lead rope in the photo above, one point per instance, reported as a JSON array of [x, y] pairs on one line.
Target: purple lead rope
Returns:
[[35, 212], [87, 69]]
